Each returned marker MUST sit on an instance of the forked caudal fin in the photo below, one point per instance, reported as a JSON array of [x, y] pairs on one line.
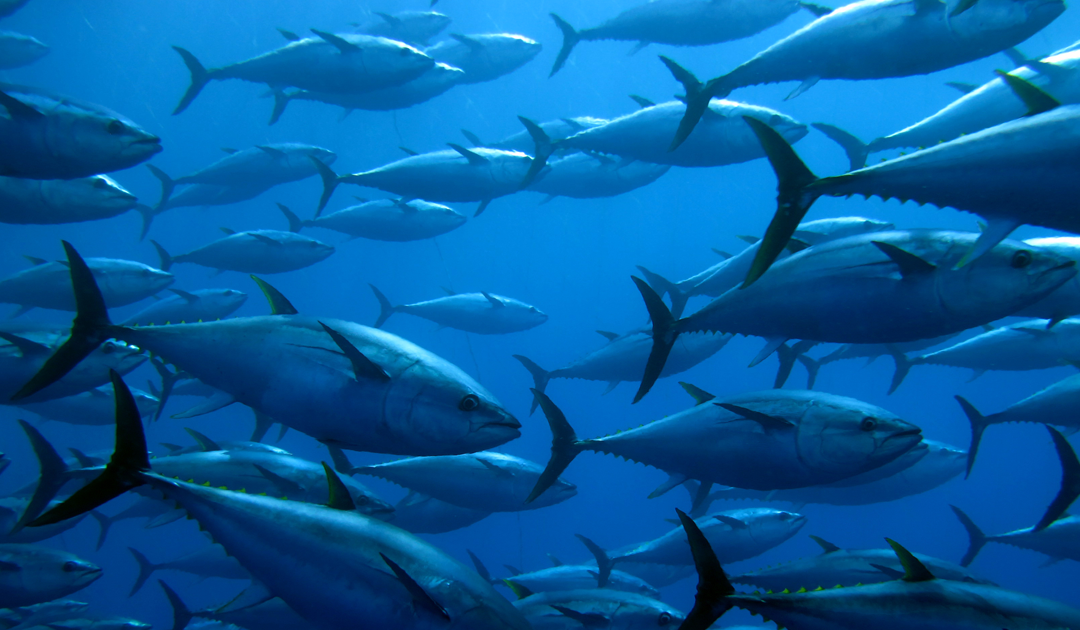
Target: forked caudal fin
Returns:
[[89, 330], [1070, 481], [386, 309], [604, 562], [857, 151], [976, 537], [540, 378], [564, 446], [978, 427], [543, 148], [664, 332], [570, 39], [182, 615], [697, 99], [330, 182], [792, 200], [713, 586], [199, 78]]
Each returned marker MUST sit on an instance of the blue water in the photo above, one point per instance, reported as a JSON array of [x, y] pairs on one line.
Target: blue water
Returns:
[[572, 259]]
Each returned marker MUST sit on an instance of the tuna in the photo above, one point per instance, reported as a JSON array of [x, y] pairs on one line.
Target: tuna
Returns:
[[411, 27], [32, 575], [875, 39], [48, 284], [17, 50], [1065, 302], [593, 175], [485, 57], [386, 220], [364, 388], [569, 610], [90, 408], [56, 137], [481, 313], [209, 561], [255, 251], [760, 441], [204, 305], [52, 201]]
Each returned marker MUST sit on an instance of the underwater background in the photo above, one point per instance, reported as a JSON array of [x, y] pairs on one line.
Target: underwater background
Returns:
[[570, 258]]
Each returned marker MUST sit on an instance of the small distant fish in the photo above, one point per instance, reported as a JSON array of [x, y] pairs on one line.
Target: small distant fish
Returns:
[[481, 313], [411, 27], [48, 284], [485, 57], [255, 251], [49, 136], [272, 614], [198, 306], [31, 575], [421, 514], [17, 50], [572, 610], [208, 561], [52, 201], [571, 577], [385, 220], [90, 408]]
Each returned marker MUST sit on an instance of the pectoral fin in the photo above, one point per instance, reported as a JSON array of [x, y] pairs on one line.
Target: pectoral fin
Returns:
[[419, 595], [363, 367], [765, 420]]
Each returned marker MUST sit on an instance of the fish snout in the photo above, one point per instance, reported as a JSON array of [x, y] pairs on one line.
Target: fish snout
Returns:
[[498, 427]]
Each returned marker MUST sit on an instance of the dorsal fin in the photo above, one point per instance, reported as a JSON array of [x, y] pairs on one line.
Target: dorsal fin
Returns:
[[204, 442], [289, 35], [228, 231], [19, 109], [610, 336], [403, 205], [409, 152], [344, 46], [473, 157], [826, 546], [914, 570], [764, 419], [419, 595], [1037, 101], [391, 20], [339, 497], [555, 562], [472, 43], [35, 261], [642, 101], [363, 367], [910, 264], [699, 395], [449, 291], [279, 304], [721, 253]]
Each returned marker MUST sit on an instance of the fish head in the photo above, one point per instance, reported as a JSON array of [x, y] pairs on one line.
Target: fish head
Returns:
[[369, 503], [445, 408], [769, 525], [111, 355], [1015, 19], [59, 570], [399, 56], [316, 250], [844, 436], [227, 300], [326, 156], [1011, 276], [99, 191], [516, 50], [113, 139]]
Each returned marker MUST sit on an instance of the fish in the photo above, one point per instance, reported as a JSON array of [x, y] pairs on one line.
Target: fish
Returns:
[[291, 548], [184, 306], [54, 201], [748, 441], [456, 174], [990, 173], [25, 351], [48, 284], [394, 220], [917, 599], [988, 105], [555, 130], [12, 510], [623, 358], [254, 251], [208, 561], [728, 273], [420, 514], [425, 405], [50, 136], [1065, 301], [876, 283], [438, 80], [874, 39], [411, 27], [7, 7], [723, 138], [273, 614], [482, 313], [30, 574], [570, 610], [846, 567], [872, 352], [1055, 534], [586, 175], [682, 23], [328, 62], [485, 57], [484, 481], [100, 623], [17, 50], [569, 577], [40, 614], [90, 408]]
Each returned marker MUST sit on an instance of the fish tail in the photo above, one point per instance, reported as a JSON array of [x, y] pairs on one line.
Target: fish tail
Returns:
[[570, 39], [125, 469], [166, 259], [386, 309], [976, 538], [146, 569], [697, 98], [54, 474], [167, 188], [295, 224], [89, 330], [903, 367], [713, 586], [168, 382], [664, 332], [281, 101], [813, 367], [857, 151], [104, 524], [544, 147], [481, 570], [662, 285], [263, 423], [978, 427], [1070, 481], [604, 562], [330, 182], [793, 198], [564, 445], [540, 378], [181, 613], [200, 76], [148, 215]]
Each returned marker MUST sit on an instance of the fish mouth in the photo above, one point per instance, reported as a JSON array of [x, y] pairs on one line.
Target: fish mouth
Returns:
[[903, 434]]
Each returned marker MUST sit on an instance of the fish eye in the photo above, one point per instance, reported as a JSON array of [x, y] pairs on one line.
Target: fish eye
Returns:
[[868, 424], [469, 403], [115, 127], [403, 52], [99, 182], [664, 619], [1021, 259], [785, 516], [775, 120], [362, 500], [70, 566], [108, 348]]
